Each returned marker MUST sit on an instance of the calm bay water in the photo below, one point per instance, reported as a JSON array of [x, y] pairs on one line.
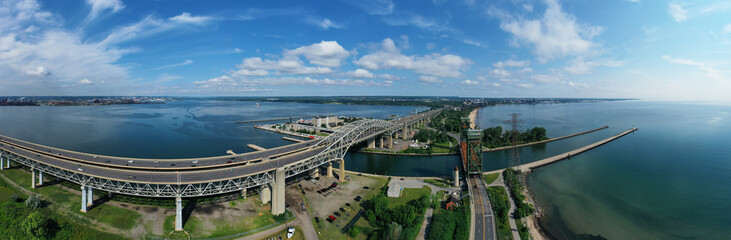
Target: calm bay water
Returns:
[[669, 180]]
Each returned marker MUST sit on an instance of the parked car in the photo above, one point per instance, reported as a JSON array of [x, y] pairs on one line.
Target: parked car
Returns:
[[290, 232]]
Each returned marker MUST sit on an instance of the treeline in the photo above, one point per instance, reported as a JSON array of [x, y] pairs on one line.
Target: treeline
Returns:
[[400, 222], [522, 209], [451, 224], [501, 208], [425, 135], [449, 120], [495, 136]]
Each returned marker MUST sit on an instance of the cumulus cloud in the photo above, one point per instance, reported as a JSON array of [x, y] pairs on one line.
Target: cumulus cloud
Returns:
[[511, 63], [389, 57], [230, 82], [325, 53], [40, 71], [84, 82], [323, 23], [524, 85], [429, 79], [470, 82], [360, 73], [544, 78], [555, 35]]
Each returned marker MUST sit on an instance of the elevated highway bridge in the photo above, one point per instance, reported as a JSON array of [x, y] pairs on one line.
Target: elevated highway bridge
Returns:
[[195, 177]]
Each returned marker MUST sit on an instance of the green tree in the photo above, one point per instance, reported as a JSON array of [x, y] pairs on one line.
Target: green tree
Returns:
[[36, 225], [354, 232]]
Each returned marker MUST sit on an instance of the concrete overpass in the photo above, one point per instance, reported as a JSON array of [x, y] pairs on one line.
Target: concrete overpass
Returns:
[[197, 177]]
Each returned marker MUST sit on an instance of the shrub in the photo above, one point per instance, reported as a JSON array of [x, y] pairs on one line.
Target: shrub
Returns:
[[33, 202], [36, 225], [14, 198]]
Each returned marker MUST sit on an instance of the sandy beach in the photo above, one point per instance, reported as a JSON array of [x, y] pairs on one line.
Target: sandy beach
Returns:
[[535, 229], [473, 117]]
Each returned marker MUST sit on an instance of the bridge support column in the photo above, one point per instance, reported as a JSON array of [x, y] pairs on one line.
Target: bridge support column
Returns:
[[243, 193], [371, 143], [33, 177], [329, 169], [265, 194], [2, 162], [315, 172], [7, 162], [278, 193], [381, 141], [341, 178], [405, 133], [89, 196], [178, 214], [390, 141], [83, 199], [40, 178]]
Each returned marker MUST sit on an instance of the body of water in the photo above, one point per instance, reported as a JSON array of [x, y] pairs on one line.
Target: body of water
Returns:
[[669, 180]]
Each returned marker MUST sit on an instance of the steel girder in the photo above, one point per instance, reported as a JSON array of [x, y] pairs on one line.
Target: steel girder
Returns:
[[337, 146]]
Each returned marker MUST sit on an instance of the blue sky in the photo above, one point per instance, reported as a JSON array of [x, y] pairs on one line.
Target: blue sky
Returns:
[[675, 50]]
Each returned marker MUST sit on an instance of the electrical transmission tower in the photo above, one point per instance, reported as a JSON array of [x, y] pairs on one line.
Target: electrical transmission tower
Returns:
[[515, 159]]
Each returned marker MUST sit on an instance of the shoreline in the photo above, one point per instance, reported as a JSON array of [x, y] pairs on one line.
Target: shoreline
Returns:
[[473, 117]]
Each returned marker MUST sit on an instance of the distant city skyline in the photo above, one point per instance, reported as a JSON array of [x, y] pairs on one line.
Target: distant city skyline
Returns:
[[665, 50]]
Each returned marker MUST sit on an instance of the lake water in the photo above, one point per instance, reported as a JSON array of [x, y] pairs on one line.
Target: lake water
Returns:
[[669, 180]]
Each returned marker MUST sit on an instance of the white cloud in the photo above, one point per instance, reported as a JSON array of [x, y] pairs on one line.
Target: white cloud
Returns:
[[84, 82], [429, 79], [677, 12], [186, 62], [360, 73], [524, 85], [248, 73], [528, 7], [389, 56], [224, 82], [555, 35], [186, 18], [578, 85], [543, 78], [237, 50], [579, 66], [98, 6], [40, 71], [325, 53], [511, 63], [727, 29], [710, 71], [470, 82], [287, 65], [323, 23], [374, 7], [151, 25]]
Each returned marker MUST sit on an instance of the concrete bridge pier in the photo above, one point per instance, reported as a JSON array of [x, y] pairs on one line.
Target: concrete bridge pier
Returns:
[[265, 194], [329, 169], [279, 183], [83, 199], [178, 213], [7, 162], [2, 162], [40, 178], [405, 133], [89, 196], [390, 141], [341, 177], [243, 193], [33, 178], [381, 141], [315, 172], [372, 143]]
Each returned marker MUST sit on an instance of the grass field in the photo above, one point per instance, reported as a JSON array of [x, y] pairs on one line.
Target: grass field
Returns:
[[439, 182], [409, 194], [489, 178]]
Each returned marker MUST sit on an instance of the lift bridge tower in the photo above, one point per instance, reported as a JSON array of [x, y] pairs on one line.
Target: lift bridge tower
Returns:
[[471, 148]]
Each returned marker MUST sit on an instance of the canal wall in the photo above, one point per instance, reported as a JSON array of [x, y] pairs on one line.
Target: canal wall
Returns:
[[528, 167], [544, 141]]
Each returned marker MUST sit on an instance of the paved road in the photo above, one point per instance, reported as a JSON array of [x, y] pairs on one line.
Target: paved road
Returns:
[[484, 223]]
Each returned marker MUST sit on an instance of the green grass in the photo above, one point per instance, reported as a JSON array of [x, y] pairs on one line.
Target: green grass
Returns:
[[113, 216], [438, 182], [407, 195], [489, 178], [499, 199]]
